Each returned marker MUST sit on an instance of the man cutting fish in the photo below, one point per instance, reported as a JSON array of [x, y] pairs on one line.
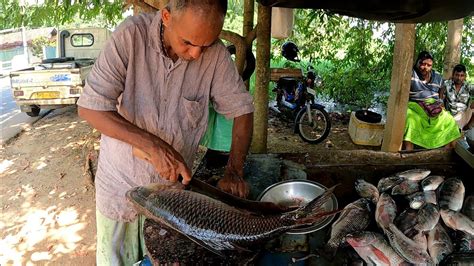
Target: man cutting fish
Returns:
[[150, 89]]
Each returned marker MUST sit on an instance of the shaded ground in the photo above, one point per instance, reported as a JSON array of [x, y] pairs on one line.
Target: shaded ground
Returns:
[[47, 202]]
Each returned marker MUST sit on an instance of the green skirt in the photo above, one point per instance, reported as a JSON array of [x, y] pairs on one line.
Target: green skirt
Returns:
[[429, 132]]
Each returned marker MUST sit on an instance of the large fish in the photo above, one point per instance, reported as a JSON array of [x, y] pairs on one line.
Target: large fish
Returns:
[[451, 194], [217, 226], [439, 244], [374, 249], [353, 218]]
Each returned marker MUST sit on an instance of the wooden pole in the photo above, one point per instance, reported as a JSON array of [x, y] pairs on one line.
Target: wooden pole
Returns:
[[249, 9], [452, 55], [399, 87], [259, 140]]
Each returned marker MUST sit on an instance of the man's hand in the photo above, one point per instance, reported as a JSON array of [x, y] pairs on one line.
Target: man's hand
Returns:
[[167, 162], [233, 183]]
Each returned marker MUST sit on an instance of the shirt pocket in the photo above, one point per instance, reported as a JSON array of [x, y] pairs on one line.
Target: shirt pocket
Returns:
[[193, 112]]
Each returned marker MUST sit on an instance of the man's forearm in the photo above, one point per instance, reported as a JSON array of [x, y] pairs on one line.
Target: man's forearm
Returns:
[[115, 126], [241, 138]]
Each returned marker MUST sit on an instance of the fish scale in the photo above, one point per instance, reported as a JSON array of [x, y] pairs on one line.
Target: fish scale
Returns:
[[200, 211], [214, 224]]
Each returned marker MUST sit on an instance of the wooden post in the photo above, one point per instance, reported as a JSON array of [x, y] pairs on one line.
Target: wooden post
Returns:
[[249, 10], [399, 87], [452, 55], [259, 140]]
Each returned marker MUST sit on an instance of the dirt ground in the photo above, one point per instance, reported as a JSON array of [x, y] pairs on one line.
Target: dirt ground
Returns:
[[47, 200]]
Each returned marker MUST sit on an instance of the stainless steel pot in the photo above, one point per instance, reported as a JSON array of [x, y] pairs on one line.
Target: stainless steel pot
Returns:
[[291, 193]]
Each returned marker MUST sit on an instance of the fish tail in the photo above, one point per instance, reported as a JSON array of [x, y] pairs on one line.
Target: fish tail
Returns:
[[316, 204], [314, 210]]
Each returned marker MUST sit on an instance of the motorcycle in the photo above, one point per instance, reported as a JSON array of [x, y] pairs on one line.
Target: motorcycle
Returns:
[[295, 97]]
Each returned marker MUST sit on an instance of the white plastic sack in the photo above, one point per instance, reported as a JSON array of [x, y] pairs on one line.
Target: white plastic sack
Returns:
[[282, 22]]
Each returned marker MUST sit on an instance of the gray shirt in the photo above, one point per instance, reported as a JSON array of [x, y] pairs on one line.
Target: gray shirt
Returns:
[[169, 99], [457, 101], [421, 90]]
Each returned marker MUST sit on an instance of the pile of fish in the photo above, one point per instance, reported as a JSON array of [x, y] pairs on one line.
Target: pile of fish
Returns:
[[420, 219]]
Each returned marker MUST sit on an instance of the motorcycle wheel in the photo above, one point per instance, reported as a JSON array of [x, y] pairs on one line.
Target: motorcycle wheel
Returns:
[[316, 131]]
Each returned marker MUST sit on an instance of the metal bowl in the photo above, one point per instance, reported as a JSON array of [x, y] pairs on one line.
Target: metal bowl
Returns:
[[291, 193]]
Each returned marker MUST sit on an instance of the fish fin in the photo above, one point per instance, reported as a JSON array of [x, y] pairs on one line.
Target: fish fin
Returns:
[[216, 246], [211, 246], [314, 206]]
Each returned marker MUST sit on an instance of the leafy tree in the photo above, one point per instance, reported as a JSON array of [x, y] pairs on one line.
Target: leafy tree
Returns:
[[38, 43], [355, 56], [58, 12]]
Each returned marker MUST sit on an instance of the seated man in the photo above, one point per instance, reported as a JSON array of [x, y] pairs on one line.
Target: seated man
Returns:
[[457, 94], [427, 124]]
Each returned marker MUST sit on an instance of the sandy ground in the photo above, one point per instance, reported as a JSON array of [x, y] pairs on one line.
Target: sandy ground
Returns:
[[46, 198]]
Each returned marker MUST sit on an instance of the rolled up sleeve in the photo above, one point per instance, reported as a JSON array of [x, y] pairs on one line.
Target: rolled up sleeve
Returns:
[[105, 82], [229, 94]]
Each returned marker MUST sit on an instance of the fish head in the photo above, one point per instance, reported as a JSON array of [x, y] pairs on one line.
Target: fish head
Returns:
[[142, 193]]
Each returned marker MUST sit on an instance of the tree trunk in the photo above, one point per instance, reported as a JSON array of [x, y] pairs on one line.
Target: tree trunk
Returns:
[[259, 142], [248, 25], [399, 87], [452, 55]]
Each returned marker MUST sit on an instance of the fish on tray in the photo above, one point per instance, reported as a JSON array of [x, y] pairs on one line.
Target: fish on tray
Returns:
[[218, 226]]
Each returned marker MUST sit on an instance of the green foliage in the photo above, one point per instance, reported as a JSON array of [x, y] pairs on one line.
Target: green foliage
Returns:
[[359, 53], [355, 63], [38, 43], [234, 18], [353, 56], [58, 12]]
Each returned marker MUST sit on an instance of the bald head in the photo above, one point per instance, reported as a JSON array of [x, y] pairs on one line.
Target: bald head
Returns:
[[191, 26], [205, 6]]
